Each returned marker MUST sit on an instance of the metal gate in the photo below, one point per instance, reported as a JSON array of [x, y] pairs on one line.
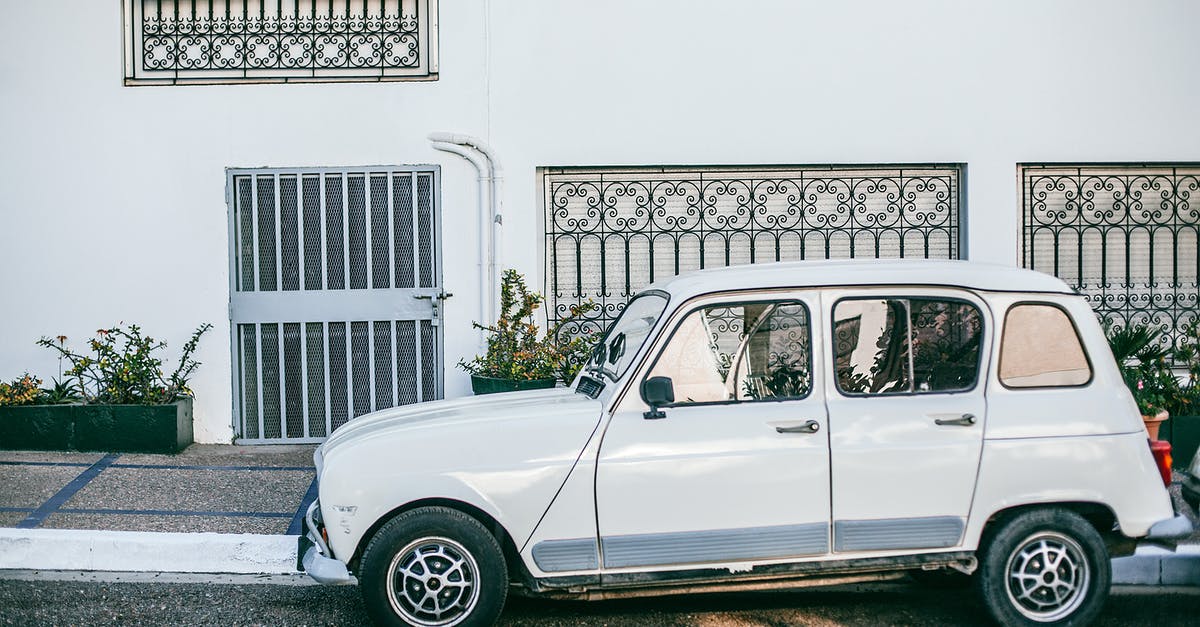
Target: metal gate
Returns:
[[335, 294]]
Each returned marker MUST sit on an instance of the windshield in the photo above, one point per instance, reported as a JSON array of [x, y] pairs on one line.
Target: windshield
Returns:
[[625, 337]]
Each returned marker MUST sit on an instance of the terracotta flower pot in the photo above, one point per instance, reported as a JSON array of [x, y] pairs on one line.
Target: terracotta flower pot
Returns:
[[1154, 422]]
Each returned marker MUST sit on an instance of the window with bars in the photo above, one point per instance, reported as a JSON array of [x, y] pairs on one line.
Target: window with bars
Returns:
[[1123, 234], [612, 231], [246, 41]]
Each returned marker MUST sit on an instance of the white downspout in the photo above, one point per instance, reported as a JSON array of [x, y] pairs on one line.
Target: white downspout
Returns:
[[495, 202], [483, 204]]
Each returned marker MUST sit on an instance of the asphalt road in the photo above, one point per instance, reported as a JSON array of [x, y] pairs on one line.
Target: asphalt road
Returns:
[[29, 603]]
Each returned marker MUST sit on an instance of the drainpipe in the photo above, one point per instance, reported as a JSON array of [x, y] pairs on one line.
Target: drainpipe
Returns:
[[493, 203], [483, 189]]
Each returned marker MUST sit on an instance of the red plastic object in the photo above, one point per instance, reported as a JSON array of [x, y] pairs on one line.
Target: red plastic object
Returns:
[[1162, 457]]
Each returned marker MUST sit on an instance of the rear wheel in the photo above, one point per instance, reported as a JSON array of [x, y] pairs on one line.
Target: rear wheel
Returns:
[[433, 567], [1045, 567]]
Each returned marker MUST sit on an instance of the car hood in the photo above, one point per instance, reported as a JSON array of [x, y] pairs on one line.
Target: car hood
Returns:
[[537, 409]]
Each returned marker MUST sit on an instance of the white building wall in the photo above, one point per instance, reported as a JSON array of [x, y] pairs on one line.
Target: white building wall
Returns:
[[112, 198]]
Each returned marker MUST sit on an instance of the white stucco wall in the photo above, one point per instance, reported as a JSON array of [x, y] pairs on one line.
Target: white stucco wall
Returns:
[[112, 198]]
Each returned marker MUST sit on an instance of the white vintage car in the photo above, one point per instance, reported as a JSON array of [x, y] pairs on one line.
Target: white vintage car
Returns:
[[763, 427]]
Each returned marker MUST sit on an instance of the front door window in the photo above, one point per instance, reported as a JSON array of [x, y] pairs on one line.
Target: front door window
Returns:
[[739, 352]]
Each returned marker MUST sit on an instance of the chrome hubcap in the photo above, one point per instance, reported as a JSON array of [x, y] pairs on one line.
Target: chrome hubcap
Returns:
[[433, 582], [1048, 577]]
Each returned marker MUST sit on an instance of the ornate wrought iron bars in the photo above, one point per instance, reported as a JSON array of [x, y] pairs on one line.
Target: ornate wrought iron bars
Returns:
[[1123, 234], [612, 231], [223, 41]]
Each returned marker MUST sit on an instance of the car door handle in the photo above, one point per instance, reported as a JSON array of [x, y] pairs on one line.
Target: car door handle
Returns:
[[964, 420], [812, 426]]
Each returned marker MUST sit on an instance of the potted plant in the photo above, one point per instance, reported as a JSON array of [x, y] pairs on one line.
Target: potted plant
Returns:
[[1146, 372], [518, 357], [117, 398], [1185, 406]]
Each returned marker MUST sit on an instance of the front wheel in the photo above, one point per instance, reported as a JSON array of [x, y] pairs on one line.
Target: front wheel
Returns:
[[1045, 567], [433, 567]]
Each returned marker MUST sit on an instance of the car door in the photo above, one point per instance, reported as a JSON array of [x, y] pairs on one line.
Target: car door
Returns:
[[737, 469], [906, 415]]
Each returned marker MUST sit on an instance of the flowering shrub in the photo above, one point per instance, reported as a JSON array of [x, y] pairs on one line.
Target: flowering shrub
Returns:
[[514, 348], [22, 391], [123, 367]]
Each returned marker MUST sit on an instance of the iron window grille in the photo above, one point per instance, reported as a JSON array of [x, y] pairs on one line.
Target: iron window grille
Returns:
[[1122, 234], [612, 231], [248, 41]]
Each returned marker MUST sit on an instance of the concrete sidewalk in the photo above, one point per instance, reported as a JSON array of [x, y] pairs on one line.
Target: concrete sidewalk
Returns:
[[234, 509], [207, 488], [210, 509]]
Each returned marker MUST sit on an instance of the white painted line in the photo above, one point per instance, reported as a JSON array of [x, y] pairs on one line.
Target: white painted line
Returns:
[[139, 551], [89, 576]]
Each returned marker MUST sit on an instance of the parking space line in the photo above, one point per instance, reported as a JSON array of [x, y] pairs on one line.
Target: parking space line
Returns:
[[177, 467], [24, 463], [39, 515], [173, 512], [297, 526]]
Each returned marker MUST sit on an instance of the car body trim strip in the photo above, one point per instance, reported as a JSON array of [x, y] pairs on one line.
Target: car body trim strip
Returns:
[[720, 545], [556, 556], [933, 532]]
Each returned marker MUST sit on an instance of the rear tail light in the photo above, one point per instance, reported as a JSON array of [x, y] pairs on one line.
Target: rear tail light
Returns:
[[1162, 458]]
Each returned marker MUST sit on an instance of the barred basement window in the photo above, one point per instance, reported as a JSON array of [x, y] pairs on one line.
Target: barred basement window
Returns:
[[1124, 235], [612, 231], [249, 41]]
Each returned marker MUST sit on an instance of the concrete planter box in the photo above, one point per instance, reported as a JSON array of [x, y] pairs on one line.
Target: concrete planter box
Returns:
[[492, 385], [1184, 435], [108, 428]]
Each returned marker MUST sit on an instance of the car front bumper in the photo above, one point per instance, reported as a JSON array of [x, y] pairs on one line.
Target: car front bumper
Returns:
[[315, 557]]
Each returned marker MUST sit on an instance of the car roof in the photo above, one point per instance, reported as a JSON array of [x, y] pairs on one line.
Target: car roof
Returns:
[[863, 272]]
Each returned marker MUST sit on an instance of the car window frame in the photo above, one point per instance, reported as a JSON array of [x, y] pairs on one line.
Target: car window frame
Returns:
[[650, 336], [680, 318], [1078, 338], [981, 307]]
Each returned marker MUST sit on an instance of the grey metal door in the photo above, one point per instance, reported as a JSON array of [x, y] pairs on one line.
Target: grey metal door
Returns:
[[335, 295]]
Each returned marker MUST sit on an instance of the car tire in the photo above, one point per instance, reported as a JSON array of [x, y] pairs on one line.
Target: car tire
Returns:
[[433, 567], [1044, 567]]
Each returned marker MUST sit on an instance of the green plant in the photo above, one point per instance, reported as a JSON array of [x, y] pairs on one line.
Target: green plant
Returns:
[[1188, 355], [1143, 365], [61, 393], [124, 367], [515, 348], [23, 390]]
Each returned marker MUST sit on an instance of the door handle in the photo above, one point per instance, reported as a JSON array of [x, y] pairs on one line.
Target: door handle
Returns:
[[812, 426], [965, 420]]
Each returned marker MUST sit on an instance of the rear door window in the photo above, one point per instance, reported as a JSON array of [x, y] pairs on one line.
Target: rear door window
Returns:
[[906, 345]]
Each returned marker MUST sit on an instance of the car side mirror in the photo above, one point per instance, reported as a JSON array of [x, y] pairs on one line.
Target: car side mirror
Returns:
[[657, 391]]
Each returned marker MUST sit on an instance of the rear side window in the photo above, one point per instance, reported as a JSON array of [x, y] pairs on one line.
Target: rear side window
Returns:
[[906, 345], [1041, 348]]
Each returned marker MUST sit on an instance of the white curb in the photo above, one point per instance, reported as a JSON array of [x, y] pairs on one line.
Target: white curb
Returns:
[[1153, 566], [255, 554], [139, 551]]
